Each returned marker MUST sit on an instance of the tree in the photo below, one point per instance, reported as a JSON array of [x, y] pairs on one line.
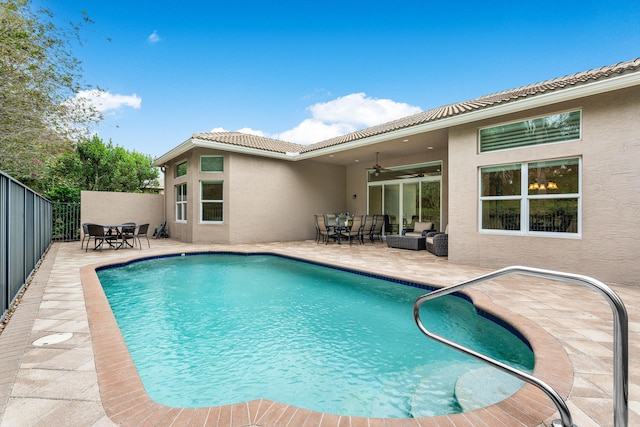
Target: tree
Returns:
[[97, 166], [39, 78]]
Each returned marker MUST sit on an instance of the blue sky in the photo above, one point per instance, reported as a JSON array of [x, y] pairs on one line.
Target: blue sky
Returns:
[[306, 71]]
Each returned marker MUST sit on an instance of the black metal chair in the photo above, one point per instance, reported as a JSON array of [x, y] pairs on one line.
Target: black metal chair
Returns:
[[127, 233], [142, 232], [85, 235], [99, 237]]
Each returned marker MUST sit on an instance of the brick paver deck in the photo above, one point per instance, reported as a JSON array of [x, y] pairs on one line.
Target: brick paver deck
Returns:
[[89, 380]]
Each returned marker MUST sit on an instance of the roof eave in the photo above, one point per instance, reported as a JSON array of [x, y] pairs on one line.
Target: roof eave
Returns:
[[196, 142], [172, 154], [526, 103], [541, 100]]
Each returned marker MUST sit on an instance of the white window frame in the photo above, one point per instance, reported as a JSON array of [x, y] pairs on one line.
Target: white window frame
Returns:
[[525, 199], [200, 165], [203, 201], [181, 204]]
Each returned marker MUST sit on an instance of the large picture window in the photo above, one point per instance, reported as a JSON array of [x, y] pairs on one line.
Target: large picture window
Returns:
[[181, 203], [561, 127], [211, 200], [547, 200]]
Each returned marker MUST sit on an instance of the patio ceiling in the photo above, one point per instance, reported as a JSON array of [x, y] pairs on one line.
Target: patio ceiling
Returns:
[[396, 147]]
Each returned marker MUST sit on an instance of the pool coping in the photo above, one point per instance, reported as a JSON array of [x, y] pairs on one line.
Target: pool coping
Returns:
[[126, 402]]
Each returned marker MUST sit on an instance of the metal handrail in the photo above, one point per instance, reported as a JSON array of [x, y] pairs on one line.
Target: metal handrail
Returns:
[[620, 339]]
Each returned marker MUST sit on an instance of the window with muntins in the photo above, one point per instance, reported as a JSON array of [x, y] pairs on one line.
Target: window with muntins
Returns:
[[547, 200], [181, 203], [211, 164], [211, 200], [561, 127]]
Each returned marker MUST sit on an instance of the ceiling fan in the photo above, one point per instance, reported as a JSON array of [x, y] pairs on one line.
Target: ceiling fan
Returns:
[[379, 168]]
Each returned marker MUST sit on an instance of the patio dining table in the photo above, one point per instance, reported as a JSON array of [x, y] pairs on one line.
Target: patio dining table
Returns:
[[339, 227], [118, 230]]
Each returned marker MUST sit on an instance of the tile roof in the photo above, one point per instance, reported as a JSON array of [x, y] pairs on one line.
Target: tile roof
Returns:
[[250, 141], [483, 102]]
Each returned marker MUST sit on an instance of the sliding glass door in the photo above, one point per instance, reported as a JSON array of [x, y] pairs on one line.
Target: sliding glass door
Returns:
[[410, 204], [430, 202], [391, 204], [407, 195]]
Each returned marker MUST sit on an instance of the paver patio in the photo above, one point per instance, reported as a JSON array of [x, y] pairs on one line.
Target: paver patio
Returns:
[[57, 384]]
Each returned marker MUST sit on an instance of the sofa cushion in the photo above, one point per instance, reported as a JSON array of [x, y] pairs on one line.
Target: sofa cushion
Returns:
[[419, 227]]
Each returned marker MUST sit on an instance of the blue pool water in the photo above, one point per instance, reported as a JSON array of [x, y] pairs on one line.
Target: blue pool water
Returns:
[[216, 329]]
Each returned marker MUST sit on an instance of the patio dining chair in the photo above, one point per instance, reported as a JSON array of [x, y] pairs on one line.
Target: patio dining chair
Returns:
[[355, 230], [99, 237], [315, 220], [127, 233], [142, 232], [376, 230], [85, 235], [325, 232], [367, 226]]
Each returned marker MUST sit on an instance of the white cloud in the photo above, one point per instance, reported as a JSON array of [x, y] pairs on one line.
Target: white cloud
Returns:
[[314, 130], [153, 37], [345, 114], [252, 132], [361, 111], [106, 102], [339, 117]]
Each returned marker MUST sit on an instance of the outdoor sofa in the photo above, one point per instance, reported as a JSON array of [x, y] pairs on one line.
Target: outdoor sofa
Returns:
[[419, 229]]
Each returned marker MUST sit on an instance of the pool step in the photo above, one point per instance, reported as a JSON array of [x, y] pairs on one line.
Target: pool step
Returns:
[[434, 392], [483, 387], [471, 387]]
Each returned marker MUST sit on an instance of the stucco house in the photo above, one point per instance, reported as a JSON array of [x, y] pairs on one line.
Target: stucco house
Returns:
[[544, 175]]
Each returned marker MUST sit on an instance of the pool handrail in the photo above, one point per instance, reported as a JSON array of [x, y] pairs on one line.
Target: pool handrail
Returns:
[[620, 339]]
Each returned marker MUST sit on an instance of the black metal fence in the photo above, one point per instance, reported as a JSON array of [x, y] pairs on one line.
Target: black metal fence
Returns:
[[66, 222], [25, 235]]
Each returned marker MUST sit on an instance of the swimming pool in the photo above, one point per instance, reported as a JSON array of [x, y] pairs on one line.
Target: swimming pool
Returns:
[[207, 330]]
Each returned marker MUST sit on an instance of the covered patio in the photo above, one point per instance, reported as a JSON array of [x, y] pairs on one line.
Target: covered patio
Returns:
[[64, 384]]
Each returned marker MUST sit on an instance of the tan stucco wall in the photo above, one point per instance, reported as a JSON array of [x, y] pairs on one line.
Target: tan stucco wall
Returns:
[[610, 149], [265, 199], [274, 200], [105, 207]]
